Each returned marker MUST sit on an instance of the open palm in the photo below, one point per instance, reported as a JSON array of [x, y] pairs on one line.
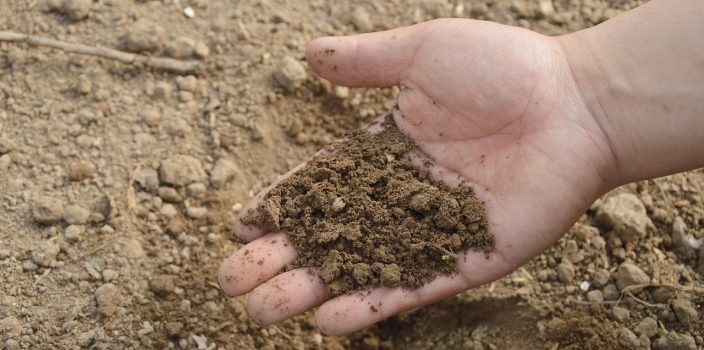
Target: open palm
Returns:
[[493, 105]]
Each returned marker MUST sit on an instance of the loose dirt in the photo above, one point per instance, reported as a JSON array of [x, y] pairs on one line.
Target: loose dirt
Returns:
[[362, 214]]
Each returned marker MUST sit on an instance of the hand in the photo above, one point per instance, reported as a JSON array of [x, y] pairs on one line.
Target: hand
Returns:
[[494, 105]]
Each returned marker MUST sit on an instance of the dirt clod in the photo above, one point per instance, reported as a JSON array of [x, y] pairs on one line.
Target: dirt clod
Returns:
[[364, 215], [48, 211], [290, 73]]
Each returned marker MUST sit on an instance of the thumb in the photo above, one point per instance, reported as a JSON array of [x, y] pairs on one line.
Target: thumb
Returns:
[[366, 60]]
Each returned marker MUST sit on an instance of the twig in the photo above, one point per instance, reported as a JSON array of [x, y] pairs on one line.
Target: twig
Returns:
[[163, 63]]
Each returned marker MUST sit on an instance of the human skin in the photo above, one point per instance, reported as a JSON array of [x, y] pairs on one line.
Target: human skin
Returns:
[[539, 126]]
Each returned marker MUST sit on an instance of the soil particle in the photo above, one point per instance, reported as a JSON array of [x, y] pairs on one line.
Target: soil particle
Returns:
[[601, 277], [169, 194], [76, 9], [147, 178], [565, 272], [76, 215], [360, 19], [675, 341], [364, 215], [144, 37], [620, 314], [685, 312], [10, 327], [108, 298], [290, 73], [48, 211], [45, 253], [162, 285], [81, 171], [630, 274], [647, 327], [625, 214], [223, 171], [184, 48], [181, 170], [6, 145]]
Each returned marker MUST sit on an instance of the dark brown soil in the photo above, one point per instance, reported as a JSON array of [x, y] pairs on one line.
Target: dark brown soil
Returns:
[[363, 215]]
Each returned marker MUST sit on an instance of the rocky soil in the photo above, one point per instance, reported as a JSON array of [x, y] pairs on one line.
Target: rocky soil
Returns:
[[118, 186]]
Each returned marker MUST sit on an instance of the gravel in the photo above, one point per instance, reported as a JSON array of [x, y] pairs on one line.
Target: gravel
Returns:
[[181, 170], [629, 274], [48, 211], [290, 73]]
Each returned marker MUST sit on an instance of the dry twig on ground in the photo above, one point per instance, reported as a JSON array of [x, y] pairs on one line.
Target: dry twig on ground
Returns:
[[163, 63]]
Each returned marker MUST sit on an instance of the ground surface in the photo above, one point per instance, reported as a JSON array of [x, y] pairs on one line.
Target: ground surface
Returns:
[[82, 141]]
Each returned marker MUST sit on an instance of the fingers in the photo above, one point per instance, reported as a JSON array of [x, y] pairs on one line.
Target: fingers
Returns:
[[248, 233], [286, 295], [367, 60], [255, 263], [349, 313]]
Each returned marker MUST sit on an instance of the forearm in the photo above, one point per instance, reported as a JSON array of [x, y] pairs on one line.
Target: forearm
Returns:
[[642, 77]]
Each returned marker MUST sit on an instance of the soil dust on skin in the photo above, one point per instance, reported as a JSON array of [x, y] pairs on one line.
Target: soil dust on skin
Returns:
[[362, 215], [75, 130]]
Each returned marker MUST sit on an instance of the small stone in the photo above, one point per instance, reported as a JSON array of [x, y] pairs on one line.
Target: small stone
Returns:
[[168, 210], [545, 8], [647, 327], [629, 274], [131, 248], [611, 292], [162, 285], [151, 117], [290, 73], [196, 212], [169, 194], [600, 277], [181, 48], [626, 338], [584, 286], [163, 89], [6, 145], [341, 92], [181, 170], [565, 271], [237, 207], [595, 296], [360, 19], [187, 83], [76, 9], [211, 308], [10, 327], [108, 298], [45, 253], [144, 36], [684, 244], [675, 341], [5, 161], [84, 85], [173, 329], [72, 233], [147, 178], [109, 275], [76, 215], [621, 314], [81, 171], [685, 312], [201, 50], [48, 211], [196, 190], [625, 214], [223, 171], [84, 339], [662, 295]]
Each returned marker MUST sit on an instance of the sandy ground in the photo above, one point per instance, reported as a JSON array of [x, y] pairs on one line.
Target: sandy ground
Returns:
[[118, 185]]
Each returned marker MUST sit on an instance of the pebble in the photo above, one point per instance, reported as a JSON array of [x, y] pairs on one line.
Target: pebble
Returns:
[[45, 253], [10, 327], [72, 233], [611, 292], [81, 171], [108, 298], [147, 178], [144, 36], [545, 8], [595, 296], [223, 171], [196, 190], [48, 211], [360, 19], [290, 73], [169, 194], [685, 312], [76, 9], [6, 145], [565, 272], [621, 314], [173, 329], [76, 215], [163, 89], [196, 212], [187, 83], [131, 248], [181, 170], [626, 338], [647, 327], [626, 215], [629, 274], [237, 207], [151, 117], [162, 285], [109, 275], [5, 161], [675, 341], [181, 48], [684, 244], [600, 277], [168, 210]]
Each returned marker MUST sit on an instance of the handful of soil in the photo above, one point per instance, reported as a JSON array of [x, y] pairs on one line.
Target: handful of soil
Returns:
[[363, 215]]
